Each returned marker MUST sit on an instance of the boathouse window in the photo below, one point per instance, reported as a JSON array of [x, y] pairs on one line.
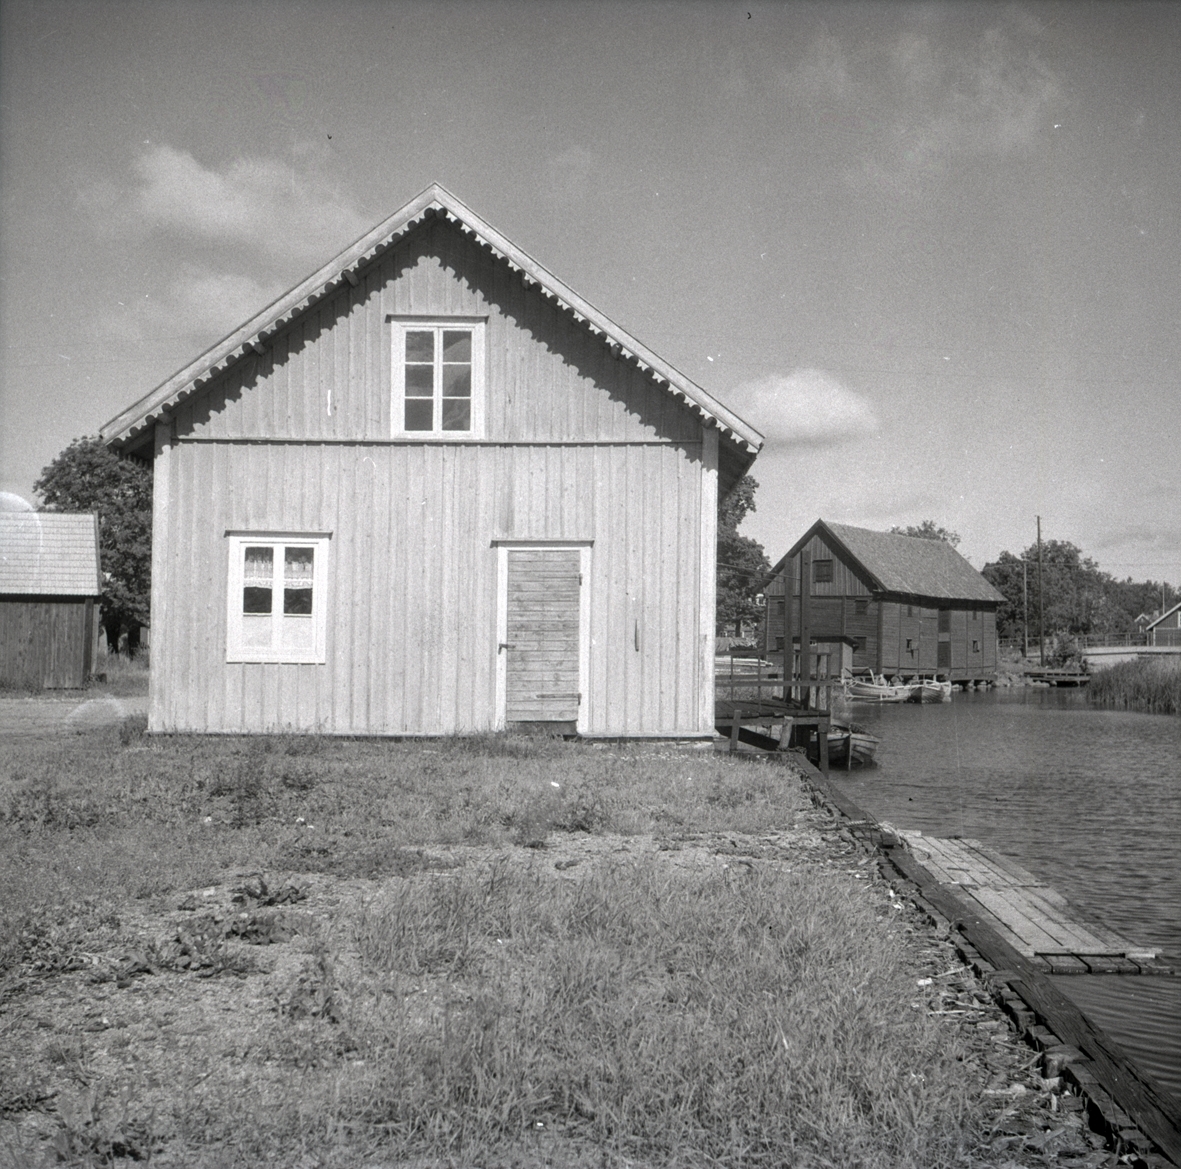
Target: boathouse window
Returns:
[[276, 604], [821, 571], [438, 375], [860, 608]]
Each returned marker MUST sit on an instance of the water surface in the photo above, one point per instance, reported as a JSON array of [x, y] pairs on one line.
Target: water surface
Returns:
[[1087, 799]]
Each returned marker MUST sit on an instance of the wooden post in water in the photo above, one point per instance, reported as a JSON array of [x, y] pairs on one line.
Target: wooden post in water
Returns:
[[805, 625], [1041, 604], [1024, 607]]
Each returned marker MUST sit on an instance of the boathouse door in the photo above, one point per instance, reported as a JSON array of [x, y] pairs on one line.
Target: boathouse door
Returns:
[[540, 653], [943, 661]]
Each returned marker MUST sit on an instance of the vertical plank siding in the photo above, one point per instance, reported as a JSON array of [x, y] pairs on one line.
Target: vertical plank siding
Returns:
[[328, 375], [411, 637], [885, 625], [46, 642]]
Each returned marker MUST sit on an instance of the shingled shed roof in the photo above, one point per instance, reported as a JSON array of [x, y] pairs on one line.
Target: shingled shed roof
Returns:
[[133, 427], [908, 565], [49, 553]]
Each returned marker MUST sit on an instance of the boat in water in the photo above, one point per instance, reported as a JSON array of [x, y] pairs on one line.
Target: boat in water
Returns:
[[875, 688], [930, 690], [846, 738]]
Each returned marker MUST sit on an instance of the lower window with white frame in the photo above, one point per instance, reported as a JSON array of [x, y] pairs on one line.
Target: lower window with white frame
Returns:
[[277, 608]]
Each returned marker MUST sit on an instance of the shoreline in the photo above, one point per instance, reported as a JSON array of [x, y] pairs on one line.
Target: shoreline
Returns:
[[252, 985], [1072, 1051]]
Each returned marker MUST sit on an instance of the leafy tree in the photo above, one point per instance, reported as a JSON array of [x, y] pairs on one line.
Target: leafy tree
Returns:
[[1080, 598], [89, 476], [742, 564], [929, 530]]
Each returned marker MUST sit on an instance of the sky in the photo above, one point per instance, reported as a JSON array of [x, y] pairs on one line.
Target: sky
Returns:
[[933, 252]]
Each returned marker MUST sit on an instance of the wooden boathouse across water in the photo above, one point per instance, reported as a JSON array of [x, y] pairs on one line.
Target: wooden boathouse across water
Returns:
[[901, 605]]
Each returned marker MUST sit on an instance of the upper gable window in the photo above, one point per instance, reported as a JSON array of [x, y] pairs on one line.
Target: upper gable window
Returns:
[[438, 374], [821, 571]]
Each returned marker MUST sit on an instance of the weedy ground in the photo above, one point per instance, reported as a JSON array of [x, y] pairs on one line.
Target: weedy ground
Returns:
[[500, 951]]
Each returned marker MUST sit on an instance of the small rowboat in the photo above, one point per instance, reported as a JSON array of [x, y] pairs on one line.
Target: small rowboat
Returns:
[[931, 690], [843, 738], [877, 689]]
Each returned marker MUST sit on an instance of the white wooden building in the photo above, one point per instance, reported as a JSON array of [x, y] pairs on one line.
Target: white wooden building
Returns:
[[431, 490]]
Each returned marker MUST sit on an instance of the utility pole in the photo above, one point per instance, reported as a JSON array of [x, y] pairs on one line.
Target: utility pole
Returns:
[[1024, 607], [1041, 603]]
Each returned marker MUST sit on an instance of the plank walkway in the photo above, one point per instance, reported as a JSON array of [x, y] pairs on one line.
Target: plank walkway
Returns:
[[1035, 919]]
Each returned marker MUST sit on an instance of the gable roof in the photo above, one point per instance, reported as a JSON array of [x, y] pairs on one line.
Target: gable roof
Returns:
[[49, 553], [909, 565], [133, 426], [1166, 613]]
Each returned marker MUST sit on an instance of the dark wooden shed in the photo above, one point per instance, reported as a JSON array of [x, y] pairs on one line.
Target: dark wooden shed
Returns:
[[49, 589], [912, 607]]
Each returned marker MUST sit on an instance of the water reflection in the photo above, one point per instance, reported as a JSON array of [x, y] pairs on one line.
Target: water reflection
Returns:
[[1089, 800]]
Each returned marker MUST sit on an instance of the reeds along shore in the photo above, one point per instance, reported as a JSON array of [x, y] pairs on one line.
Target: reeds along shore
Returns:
[[1150, 686]]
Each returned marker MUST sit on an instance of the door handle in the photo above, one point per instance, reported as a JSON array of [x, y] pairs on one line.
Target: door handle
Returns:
[[507, 645]]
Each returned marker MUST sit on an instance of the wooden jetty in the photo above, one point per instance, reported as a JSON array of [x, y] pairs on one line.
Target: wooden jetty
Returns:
[[743, 720], [752, 698], [1125, 1101], [1035, 919], [1056, 677]]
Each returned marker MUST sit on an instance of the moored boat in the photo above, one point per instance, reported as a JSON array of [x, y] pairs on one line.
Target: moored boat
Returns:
[[877, 689], [931, 690], [846, 737]]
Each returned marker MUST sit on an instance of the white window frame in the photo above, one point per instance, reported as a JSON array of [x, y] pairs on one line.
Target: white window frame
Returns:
[[236, 648], [399, 326]]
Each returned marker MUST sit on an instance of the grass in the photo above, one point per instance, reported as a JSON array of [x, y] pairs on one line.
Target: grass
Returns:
[[118, 675], [446, 994], [1142, 684]]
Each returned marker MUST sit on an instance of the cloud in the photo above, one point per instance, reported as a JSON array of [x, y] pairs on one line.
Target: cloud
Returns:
[[936, 100], [219, 242], [807, 406], [285, 210], [198, 305]]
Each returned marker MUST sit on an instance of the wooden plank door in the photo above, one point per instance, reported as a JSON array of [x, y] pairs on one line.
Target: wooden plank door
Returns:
[[543, 607]]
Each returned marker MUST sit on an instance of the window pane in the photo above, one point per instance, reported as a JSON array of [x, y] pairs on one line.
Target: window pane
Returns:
[[457, 381], [420, 381], [298, 601], [457, 345], [256, 632], [260, 565], [420, 345], [256, 599], [297, 567], [419, 414], [297, 633], [457, 414]]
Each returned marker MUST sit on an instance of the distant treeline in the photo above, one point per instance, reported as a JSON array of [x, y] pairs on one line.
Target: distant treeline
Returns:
[[1079, 597]]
